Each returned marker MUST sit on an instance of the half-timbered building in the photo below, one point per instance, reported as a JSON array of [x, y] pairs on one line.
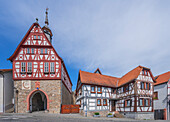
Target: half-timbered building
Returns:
[[131, 95], [41, 80], [162, 96]]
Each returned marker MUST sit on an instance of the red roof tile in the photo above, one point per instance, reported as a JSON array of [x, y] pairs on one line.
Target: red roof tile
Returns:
[[104, 80], [163, 78], [97, 79]]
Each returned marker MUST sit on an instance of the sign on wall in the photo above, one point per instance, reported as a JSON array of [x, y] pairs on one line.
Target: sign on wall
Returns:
[[26, 85]]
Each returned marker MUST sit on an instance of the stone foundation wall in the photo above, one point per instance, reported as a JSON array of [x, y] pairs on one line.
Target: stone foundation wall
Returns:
[[139, 115], [91, 113], [51, 87], [66, 96]]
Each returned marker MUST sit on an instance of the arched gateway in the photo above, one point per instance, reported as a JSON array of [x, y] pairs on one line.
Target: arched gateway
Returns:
[[37, 100]]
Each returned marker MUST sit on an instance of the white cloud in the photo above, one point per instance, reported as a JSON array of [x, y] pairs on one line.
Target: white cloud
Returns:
[[114, 35]]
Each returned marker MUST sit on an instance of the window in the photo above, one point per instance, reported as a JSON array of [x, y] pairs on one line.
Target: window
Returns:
[[104, 102], [155, 95], [140, 102], [32, 50], [146, 102], [150, 101], [99, 89], [46, 67], [92, 89], [45, 51], [52, 67], [41, 50], [128, 103], [34, 36], [38, 37], [28, 50], [29, 67], [22, 67], [147, 86], [146, 72], [142, 85], [112, 91], [98, 102], [143, 72]]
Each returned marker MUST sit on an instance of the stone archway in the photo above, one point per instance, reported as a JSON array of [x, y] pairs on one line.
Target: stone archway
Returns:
[[37, 100]]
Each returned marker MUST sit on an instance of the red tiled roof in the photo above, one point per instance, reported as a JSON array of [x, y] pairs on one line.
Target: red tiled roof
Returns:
[[104, 80], [163, 78], [97, 79], [5, 70], [133, 74]]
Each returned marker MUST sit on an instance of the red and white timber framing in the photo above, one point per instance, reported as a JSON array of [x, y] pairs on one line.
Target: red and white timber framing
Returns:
[[40, 52]]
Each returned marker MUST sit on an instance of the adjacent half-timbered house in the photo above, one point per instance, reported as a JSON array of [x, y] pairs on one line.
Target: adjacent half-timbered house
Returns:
[[40, 77], [162, 96], [131, 95]]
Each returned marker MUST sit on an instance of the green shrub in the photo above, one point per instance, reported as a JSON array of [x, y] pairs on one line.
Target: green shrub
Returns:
[[109, 113], [97, 113]]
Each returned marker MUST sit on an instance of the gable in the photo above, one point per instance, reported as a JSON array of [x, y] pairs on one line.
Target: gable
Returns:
[[29, 40], [145, 75]]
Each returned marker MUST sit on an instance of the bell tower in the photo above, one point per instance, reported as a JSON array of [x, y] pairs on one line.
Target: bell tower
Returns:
[[46, 29]]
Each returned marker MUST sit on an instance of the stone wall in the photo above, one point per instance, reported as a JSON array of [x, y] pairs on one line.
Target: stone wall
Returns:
[[51, 87], [66, 96], [91, 113], [139, 115]]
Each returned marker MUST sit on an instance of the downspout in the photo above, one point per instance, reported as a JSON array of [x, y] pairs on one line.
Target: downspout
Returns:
[[3, 92]]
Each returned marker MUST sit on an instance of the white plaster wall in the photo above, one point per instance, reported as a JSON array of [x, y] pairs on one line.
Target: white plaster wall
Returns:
[[162, 96], [9, 91]]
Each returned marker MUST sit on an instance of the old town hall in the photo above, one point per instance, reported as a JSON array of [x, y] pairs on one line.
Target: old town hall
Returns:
[[41, 80]]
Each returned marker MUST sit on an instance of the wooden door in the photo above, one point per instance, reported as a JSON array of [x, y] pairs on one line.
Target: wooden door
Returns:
[[113, 105]]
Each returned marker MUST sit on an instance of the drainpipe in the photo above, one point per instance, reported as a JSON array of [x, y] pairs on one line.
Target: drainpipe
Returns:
[[3, 93]]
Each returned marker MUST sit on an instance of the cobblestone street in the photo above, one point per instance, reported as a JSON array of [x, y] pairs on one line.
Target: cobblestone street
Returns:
[[35, 117]]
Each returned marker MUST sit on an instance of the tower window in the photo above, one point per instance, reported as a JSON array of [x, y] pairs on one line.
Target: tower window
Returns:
[[46, 67], [29, 66], [41, 50], [52, 67], [22, 67], [28, 50], [45, 51], [32, 50]]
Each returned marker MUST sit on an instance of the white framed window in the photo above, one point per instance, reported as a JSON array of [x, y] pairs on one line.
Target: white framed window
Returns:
[[140, 102], [28, 50], [29, 66], [32, 50], [41, 50], [45, 50], [46, 67], [52, 67], [22, 66]]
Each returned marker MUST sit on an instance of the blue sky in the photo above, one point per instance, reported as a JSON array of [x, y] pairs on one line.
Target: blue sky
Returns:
[[114, 35]]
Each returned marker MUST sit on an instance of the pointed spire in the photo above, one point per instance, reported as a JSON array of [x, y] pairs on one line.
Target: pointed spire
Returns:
[[46, 17]]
